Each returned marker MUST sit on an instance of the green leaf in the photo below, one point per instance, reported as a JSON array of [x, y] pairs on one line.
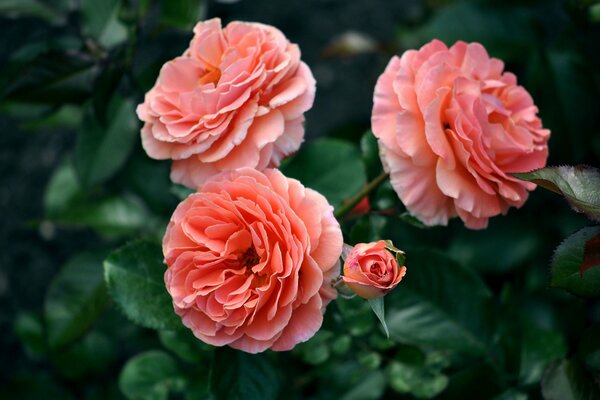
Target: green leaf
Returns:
[[567, 380], [75, 299], [30, 331], [370, 387], [566, 265], [150, 376], [155, 192], [185, 345], [62, 189], [316, 350], [369, 360], [341, 344], [370, 154], [420, 381], [241, 376], [111, 216], [378, 308], [134, 274], [181, 14], [430, 309], [101, 151], [54, 78], [472, 21], [331, 167], [580, 185], [106, 86], [539, 348], [511, 394], [100, 20], [69, 205], [521, 245], [31, 8], [91, 355], [358, 315], [67, 116]]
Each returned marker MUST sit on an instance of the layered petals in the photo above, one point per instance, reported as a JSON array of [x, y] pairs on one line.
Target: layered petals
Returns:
[[251, 259], [452, 127], [371, 270], [235, 98]]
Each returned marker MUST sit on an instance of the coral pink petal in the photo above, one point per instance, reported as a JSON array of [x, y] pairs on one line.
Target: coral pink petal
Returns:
[[235, 98], [306, 321]]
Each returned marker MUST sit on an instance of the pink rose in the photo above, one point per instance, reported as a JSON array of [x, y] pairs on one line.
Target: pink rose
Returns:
[[371, 270], [251, 257], [235, 98], [452, 126]]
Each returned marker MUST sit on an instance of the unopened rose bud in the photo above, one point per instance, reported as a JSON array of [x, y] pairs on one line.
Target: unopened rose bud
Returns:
[[371, 269]]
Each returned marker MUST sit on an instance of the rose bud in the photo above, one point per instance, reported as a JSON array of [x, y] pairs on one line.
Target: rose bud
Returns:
[[371, 269]]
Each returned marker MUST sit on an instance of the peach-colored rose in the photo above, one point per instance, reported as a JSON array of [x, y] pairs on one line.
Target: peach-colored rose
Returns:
[[371, 270], [251, 257], [235, 98], [452, 126]]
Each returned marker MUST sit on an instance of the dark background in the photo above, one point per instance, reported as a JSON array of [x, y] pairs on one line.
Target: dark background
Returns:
[[552, 46]]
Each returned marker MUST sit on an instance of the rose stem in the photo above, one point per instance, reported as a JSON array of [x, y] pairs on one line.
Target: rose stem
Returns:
[[351, 202]]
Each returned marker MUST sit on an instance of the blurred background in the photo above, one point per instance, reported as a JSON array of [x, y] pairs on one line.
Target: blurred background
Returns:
[[75, 182]]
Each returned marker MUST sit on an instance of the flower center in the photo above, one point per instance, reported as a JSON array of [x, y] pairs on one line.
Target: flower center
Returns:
[[249, 258], [211, 76]]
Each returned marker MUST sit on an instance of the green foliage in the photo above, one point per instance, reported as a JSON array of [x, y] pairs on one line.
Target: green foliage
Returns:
[[53, 79], [422, 381], [68, 204], [182, 14], [429, 306], [377, 306], [566, 271], [185, 345], [75, 298], [566, 380], [578, 184], [100, 19], [487, 319], [134, 275], [30, 8], [477, 21], [370, 154], [102, 150], [538, 348], [317, 350], [30, 331], [237, 375], [371, 387], [331, 167], [86, 358], [152, 375]]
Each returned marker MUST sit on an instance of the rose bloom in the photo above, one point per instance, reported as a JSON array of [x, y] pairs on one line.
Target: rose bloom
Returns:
[[235, 98], [371, 270], [452, 126], [251, 257]]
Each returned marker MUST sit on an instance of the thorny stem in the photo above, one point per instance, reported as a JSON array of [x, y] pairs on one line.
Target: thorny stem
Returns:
[[350, 203]]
